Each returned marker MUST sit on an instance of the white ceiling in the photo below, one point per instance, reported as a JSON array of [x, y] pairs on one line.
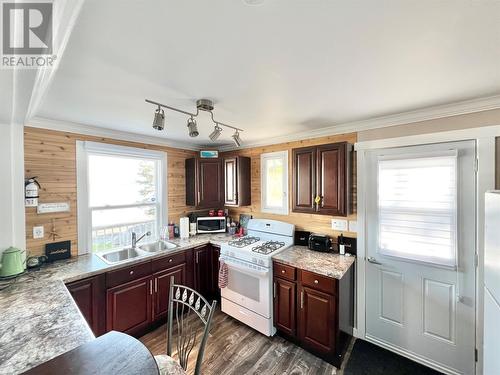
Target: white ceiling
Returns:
[[282, 67]]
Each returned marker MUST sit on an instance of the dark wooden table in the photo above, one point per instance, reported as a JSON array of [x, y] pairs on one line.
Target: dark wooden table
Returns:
[[112, 353]]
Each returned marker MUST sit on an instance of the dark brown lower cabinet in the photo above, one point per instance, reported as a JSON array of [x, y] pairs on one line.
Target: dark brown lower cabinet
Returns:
[[89, 295], [129, 306], [161, 293], [317, 317], [203, 270], [284, 306], [309, 309], [134, 299], [215, 254]]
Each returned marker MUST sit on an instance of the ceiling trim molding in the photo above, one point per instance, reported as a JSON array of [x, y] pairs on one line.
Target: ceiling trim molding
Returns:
[[424, 114], [96, 131]]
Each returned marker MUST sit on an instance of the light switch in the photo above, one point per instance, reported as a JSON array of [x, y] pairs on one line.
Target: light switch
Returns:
[[339, 225], [353, 226], [38, 232]]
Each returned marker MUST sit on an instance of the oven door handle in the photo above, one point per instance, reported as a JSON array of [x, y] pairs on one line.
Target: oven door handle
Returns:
[[242, 268]]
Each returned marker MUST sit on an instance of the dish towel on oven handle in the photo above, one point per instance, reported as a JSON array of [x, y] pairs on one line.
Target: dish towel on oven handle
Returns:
[[223, 271]]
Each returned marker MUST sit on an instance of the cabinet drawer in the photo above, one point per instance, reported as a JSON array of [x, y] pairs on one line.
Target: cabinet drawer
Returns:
[[169, 261], [318, 282], [114, 278], [284, 271]]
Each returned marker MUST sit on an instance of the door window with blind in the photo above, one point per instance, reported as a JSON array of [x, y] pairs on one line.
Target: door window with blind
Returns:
[[120, 191], [417, 208]]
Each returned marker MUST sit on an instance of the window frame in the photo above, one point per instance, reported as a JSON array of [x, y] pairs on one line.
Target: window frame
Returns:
[[283, 155], [84, 211]]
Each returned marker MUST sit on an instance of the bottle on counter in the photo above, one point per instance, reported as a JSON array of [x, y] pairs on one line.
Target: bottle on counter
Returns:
[[341, 244]]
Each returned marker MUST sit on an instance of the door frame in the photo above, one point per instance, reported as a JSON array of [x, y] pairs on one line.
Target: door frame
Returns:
[[485, 180]]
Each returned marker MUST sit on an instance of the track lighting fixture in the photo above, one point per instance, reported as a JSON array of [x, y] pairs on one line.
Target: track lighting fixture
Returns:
[[193, 128], [205, 105], [236, 138], [159, 119], [216, 133]]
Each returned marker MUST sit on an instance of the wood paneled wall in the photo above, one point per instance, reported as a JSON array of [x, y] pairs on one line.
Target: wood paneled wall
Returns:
[[51, 155], [309, 222]]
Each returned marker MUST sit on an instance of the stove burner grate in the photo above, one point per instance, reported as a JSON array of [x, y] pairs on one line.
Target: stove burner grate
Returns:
[[244, 241], [268, 247]]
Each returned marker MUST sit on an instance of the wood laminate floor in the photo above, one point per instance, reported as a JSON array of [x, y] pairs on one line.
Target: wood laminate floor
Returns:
[[234, 348]]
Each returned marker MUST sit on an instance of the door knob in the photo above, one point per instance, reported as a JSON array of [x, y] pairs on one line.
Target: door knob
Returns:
[[373, 260]]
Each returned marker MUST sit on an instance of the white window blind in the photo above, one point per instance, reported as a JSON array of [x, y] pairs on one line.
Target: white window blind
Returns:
[[417, 208]]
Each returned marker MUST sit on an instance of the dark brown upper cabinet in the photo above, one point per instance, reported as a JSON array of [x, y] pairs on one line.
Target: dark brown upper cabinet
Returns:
[[321, 179], [237, 186], [204, 183]]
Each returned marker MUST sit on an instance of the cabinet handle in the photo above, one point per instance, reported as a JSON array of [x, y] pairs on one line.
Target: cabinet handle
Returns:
[[316, 281], [197, 257], [151, 287], [274, 289], [199, 197], [283, 271], [131, 272], [170, 260], [302, 299], [156, 285]]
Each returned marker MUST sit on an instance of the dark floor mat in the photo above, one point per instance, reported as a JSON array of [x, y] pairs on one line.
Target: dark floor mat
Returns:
[[369, 359]]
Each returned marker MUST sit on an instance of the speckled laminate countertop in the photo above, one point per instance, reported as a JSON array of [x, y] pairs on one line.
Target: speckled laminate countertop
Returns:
[[328, 264], [39, 319]]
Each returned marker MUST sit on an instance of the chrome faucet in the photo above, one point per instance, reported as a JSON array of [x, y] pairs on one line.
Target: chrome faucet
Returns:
[[135, 239]]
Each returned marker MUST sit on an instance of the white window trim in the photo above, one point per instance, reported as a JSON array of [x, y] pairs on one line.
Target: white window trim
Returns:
[[83, 211], [274, 210]]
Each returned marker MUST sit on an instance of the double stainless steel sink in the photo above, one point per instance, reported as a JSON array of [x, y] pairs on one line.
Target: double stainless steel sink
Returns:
[[117, 256]]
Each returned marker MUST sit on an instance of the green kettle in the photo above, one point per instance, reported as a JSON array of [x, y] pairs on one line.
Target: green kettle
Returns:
[[12, 262]]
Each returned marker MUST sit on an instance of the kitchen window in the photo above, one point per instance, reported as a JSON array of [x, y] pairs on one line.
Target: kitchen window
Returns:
[[417, 205], [120, 191], [274, 182]]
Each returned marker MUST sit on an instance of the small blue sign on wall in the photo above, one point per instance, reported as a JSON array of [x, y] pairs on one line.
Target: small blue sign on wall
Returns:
[[209, 154]]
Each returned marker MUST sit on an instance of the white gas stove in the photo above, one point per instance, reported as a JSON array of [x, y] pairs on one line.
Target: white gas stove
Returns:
[[249, 294]]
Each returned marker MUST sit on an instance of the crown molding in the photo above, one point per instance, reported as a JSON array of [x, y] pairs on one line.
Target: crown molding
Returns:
[[96, 131], [424, 114]]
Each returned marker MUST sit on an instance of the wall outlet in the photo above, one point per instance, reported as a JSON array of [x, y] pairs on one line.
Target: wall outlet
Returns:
[[339, 225], [38, 232], [353, 226]]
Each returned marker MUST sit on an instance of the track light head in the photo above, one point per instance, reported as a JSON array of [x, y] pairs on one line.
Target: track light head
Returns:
[[216, 133], [192, 127], [236, 138], [159, 119]]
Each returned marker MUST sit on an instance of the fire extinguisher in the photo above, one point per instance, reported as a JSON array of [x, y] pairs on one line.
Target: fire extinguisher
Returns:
[[31, 187]]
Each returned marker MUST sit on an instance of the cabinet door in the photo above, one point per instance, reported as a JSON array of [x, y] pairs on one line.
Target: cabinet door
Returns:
[[202, 270], [129, 306], [161, 294], [210, 183], [317, 317], [215, 254], [331, 179], [230, 181], [304, 179], [284, 306], [89, 295]]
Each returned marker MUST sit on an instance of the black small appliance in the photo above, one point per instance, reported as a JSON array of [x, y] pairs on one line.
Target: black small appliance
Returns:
[[320, 242], [301, 238]]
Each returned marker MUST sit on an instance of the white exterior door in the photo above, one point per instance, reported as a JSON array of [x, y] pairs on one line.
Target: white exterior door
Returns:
[[420, 235]]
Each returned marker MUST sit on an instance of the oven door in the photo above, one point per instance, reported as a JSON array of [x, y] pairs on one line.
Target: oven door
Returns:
[[249, 286]]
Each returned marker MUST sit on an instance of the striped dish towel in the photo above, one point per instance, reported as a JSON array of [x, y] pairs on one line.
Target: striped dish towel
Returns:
[[223, 271]]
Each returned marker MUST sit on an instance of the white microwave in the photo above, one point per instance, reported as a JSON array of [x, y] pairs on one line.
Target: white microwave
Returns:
[[211, 224]]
